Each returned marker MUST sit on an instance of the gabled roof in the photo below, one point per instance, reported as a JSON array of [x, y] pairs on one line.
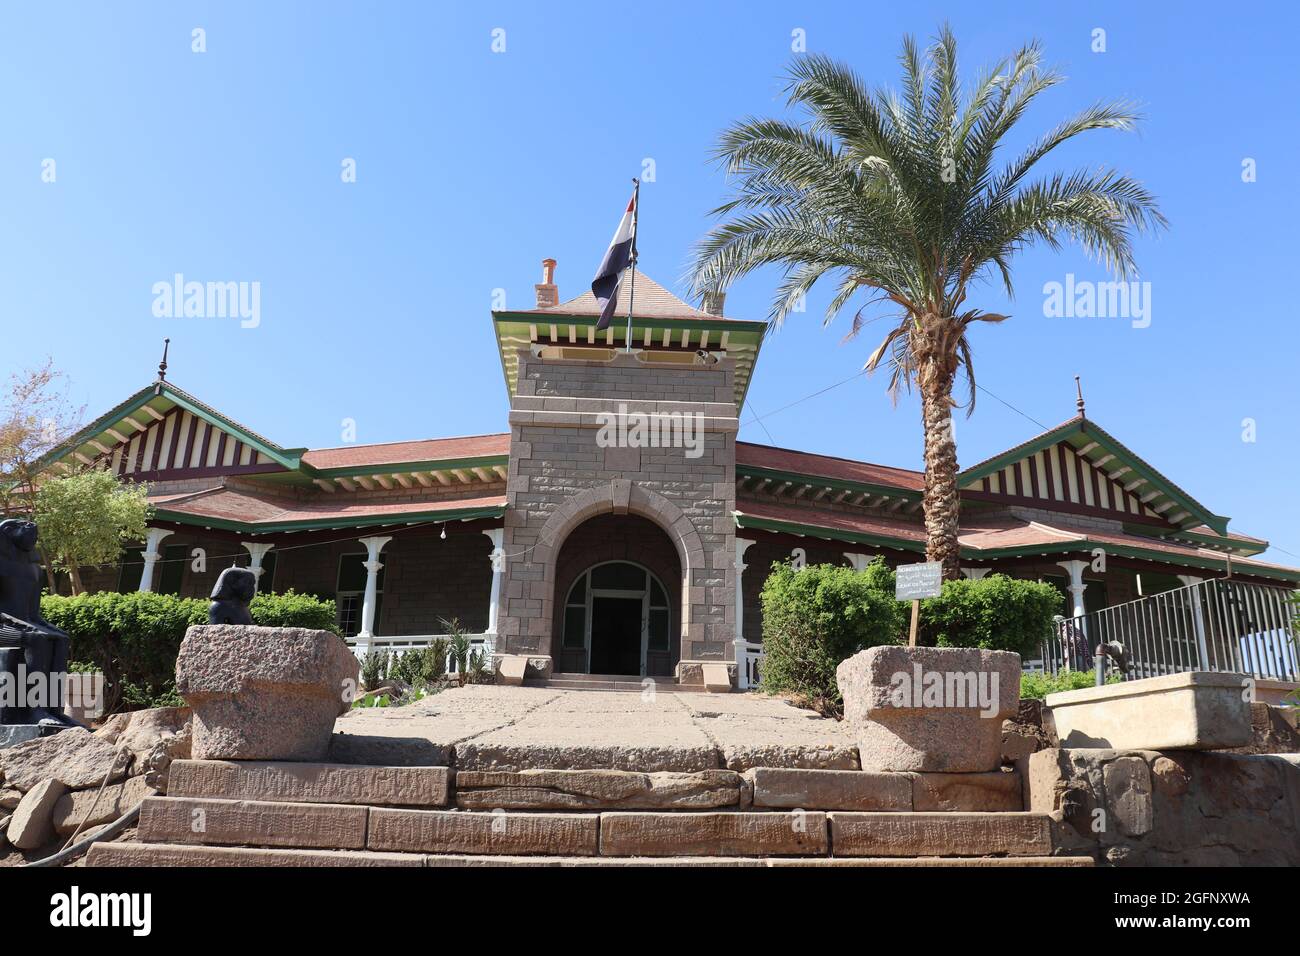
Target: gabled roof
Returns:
[[660, 321], [786, 464], [426, 450], [1103, 451], [129, 423]]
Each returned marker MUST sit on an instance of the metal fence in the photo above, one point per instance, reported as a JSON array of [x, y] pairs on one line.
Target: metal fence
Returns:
[[1217, 625]]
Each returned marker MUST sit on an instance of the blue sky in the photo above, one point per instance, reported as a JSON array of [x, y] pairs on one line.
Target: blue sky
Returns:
[[472, 165]]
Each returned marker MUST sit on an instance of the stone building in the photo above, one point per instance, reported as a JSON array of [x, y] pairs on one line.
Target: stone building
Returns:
[[618, 527]]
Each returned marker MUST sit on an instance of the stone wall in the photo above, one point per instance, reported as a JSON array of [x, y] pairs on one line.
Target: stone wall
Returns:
[[560, 476], [1171, 808]]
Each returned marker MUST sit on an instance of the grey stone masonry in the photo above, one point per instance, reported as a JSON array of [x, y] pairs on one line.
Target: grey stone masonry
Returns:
[[621, 436]]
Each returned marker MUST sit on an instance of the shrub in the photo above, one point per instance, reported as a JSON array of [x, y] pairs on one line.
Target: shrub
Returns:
[[134, 638], [995, 613], [374, 668], [817, 617], [1038, 686]]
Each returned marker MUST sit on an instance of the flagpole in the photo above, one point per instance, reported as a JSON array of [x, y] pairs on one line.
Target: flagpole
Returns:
[[631, 292]]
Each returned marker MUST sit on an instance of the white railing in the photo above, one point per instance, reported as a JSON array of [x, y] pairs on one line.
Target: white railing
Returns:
[[749, 657], [399, 645]]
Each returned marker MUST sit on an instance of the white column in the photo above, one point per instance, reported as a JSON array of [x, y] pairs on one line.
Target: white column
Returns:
[[372, 566], [1077, 585], [151, 554], [859, 561], [1198, 618], [974, 574], [739, 644], [256, 553], [498, 559]]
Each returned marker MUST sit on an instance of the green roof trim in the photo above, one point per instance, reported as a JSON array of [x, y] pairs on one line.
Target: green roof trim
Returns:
[[1080, 432], [744, 337], [162, 513], [406, 467], [162, 397], [829, 534], [818, 481]]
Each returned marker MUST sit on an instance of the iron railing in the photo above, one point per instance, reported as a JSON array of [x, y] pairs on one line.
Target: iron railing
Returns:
[[1217, 625]]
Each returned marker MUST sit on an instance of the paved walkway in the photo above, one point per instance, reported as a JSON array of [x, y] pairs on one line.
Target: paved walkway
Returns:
[[490, 727]]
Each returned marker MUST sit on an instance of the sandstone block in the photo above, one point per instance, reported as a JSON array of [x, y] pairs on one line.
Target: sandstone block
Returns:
[[596, 789], [1197, 710], [309, 825], [76, 758], [166, 854], [116, 799], [1128, 794], [311, 782], [264, 693], [30, 827], [941, 834], [713, 834], [995, 791], [929, 708], [830, 789], [511, 669], [439, 831]]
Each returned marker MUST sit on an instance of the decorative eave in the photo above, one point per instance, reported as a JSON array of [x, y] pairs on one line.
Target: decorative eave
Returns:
[[485, 469], [116, 428], [1104, 451], [163, 513], [739, 339], [803, 530], [1228, 543], [752, 479]]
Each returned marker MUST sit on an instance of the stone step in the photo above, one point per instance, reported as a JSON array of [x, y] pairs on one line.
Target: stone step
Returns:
[[621, 684], [797, 833], [311, 783], [325, 826], [462, 831], [940, 834], [163, 854]]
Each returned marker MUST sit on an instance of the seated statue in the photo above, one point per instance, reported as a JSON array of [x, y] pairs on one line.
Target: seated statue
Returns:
[[29, 645], [235, 588]]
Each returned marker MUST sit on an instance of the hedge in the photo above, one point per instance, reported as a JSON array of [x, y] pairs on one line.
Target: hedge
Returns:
[[134, 638], [817, 617]]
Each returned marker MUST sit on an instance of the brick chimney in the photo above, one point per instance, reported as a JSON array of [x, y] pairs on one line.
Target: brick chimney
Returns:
[[713, 302], [548, 293]]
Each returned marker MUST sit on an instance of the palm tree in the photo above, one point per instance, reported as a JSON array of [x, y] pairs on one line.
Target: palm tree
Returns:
[[897, 196]]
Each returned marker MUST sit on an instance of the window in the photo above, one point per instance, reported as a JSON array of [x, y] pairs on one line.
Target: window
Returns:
[[625, 580], [351, 592], [128, 577], [171, 569]]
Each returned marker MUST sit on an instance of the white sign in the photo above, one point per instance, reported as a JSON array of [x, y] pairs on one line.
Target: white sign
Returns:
[[916, 581]]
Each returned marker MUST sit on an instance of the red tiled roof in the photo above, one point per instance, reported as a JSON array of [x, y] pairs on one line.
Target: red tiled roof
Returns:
[[399, 452], [238, 504], [833, 520], [825, 466]]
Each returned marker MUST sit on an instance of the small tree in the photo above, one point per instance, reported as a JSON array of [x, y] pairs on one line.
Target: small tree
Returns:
[[87, 518]]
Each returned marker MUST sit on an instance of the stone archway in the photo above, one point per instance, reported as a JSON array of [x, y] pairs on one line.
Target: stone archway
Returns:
[[535, 570]]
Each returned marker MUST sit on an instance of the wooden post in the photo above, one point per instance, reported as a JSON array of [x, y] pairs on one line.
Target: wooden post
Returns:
[[916, 614]]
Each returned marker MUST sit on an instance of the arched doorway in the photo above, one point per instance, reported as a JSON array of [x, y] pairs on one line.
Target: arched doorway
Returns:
[[618, 613], [618, 585]]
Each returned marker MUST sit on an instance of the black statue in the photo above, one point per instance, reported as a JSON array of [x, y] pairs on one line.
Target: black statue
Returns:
[[29, 645], [235, 588]]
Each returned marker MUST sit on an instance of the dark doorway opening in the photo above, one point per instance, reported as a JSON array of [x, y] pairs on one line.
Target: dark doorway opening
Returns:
[[615, 635]]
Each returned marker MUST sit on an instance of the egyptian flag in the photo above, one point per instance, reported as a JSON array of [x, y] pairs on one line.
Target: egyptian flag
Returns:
[[613, 267]]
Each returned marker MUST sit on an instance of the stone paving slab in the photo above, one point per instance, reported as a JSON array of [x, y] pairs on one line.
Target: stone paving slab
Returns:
[[499, 728], [596, 789]]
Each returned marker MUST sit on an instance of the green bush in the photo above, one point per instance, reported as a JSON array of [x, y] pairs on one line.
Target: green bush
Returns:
[[995, 613], [1038, 686], [134, 638], [817, 617]]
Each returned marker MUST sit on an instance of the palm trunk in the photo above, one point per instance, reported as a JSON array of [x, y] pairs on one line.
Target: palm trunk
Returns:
[[936, 369]]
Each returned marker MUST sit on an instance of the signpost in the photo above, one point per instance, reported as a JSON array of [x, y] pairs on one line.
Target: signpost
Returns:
[[913, 582]]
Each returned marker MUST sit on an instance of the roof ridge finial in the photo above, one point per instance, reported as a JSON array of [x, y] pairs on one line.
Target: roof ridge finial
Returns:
[[1078, 402], [162, 368]]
